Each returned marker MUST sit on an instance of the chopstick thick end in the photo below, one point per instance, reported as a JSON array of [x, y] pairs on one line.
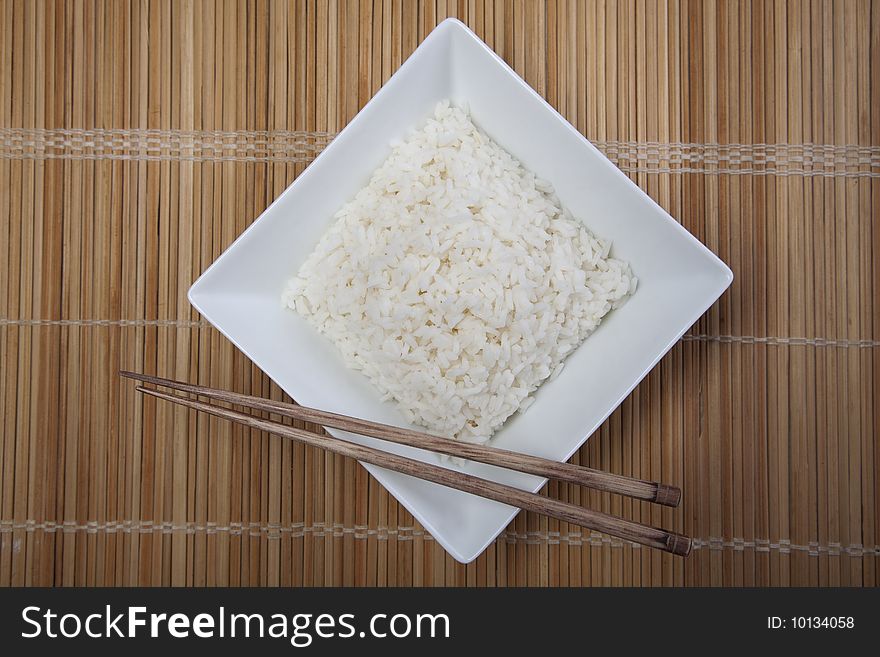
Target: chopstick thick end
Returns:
[[668, 495], [678, 545]]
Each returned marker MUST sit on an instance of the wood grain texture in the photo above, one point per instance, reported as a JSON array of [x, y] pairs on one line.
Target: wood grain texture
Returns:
[[137, 140], [627, 530], [609, 482]]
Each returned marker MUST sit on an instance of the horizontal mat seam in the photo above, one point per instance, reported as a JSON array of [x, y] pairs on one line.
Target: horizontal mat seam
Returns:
[[721, 171], [807, 173], [793, 173], [326, 530], [687, 337], [782, 340], [808, 159], [157, 137]]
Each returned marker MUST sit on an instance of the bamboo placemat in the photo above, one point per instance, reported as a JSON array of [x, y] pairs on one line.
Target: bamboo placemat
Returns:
[[138, 140]]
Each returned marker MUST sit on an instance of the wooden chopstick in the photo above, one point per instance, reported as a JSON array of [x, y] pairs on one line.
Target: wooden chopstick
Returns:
[[625, 529], [650, 491]]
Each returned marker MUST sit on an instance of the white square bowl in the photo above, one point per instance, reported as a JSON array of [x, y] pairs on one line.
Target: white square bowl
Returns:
[[679, 278]]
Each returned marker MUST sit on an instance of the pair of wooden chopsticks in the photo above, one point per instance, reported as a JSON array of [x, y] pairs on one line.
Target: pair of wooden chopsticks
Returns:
[[625, 529]]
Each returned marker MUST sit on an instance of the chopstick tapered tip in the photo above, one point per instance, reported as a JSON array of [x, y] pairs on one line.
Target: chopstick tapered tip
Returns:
[[137, 376], [145, 378], [164, 395]]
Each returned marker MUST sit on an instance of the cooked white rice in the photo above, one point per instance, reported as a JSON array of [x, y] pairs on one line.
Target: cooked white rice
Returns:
[[455, 280]]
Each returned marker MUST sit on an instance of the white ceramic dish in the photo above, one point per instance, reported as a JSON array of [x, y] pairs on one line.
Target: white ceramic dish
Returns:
[[679, 278]]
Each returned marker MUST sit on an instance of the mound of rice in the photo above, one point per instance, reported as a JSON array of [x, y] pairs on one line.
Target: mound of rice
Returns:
[[456, 281]]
